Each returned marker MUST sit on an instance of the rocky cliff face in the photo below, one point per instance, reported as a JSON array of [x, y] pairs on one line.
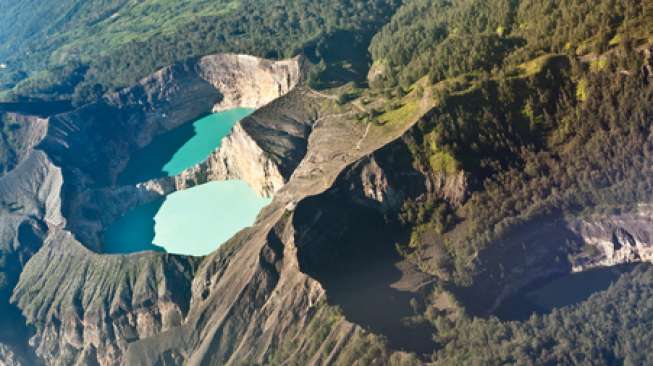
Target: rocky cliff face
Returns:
[[614, 239], [93, 143], [553, 245], [88, 308], [263, 149], [18, 135], [239, 157], [29, 207], [248, 81]]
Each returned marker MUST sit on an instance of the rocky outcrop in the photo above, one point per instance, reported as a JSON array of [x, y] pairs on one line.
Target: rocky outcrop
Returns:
[[94, 143], [18, 135], [248, 81], [376, 187], [88, 308], [239, 157], [386, 178], [263, 149], [612, 240]]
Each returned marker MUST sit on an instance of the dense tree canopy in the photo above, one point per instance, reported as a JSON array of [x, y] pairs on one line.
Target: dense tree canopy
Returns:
[[445, 38], [549, 114], [115, 55]]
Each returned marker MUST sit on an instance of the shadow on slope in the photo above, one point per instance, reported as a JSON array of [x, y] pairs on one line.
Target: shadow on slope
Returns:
[[351, 251], [148, 162], [14, 330], [339, 65], [542, 296], [134, 231]]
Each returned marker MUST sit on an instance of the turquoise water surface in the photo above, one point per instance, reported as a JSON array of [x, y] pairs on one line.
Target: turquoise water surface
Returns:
[[133, 232], [194, 221], [209, 132], [174, 151]]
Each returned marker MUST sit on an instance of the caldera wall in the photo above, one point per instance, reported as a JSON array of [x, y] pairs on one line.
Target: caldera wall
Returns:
[[125, 297], [94, 143]]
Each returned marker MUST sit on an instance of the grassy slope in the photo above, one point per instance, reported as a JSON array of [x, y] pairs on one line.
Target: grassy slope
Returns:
[[82, 49], [511, 174], [57, 31], [550, 124]]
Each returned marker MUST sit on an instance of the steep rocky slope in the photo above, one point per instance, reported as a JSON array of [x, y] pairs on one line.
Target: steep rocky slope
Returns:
[[93, 143], [19, 134], [244, 297], [29, 208], [296, 287], [88, 307], [263, 149]]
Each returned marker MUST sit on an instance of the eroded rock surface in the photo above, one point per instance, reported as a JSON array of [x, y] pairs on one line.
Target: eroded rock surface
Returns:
[[615, 239], [93, 143], [263, 149], [29, 207], [18, 135], [87, 307], [266, 295]]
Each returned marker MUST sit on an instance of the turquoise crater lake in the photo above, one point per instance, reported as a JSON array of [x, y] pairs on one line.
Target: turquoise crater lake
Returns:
[[174, 151], [193, 221]]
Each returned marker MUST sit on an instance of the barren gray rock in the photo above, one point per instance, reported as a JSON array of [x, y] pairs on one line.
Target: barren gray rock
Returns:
[[615, 239], [88, 307], [262, 295]]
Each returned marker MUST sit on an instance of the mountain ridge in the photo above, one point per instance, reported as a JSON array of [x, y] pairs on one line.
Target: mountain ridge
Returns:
[[476, 161]]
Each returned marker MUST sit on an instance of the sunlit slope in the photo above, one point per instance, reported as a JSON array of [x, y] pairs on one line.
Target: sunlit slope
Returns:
[[60, 48], [74, 29]]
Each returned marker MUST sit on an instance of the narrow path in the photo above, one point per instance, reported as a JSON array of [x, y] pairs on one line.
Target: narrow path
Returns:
[[334, 98], [367, 130], [356, 104], [323, 95]]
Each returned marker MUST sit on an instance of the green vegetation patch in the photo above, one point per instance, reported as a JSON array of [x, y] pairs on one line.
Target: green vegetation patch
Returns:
[[408, 111], [442, 161]]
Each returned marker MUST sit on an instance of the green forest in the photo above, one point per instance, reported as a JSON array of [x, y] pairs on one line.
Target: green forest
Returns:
[[120, 51], [550, 116], [611, 328], [547, 110]]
